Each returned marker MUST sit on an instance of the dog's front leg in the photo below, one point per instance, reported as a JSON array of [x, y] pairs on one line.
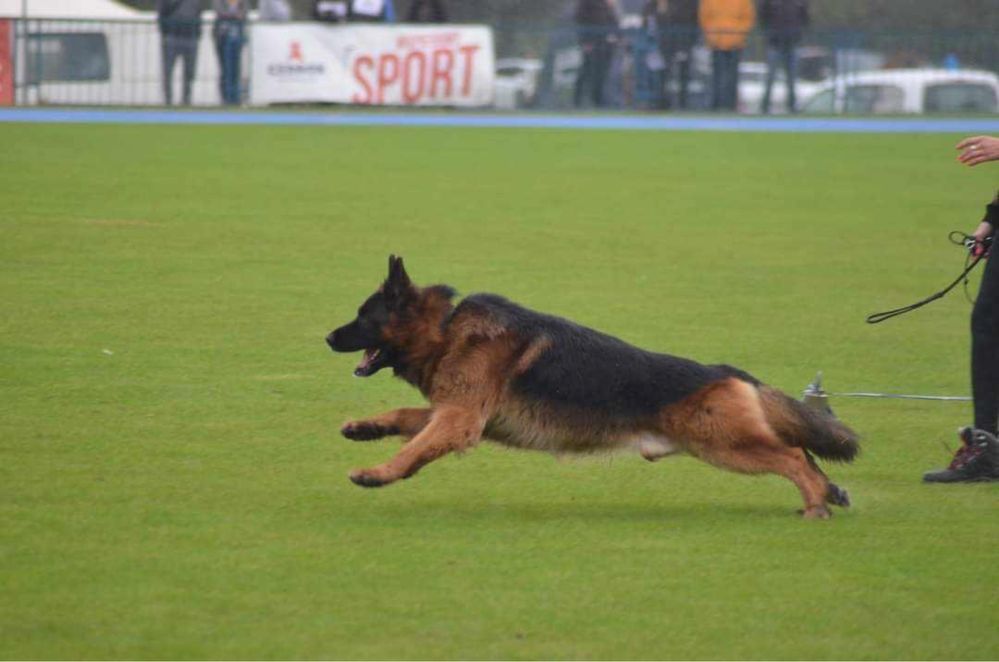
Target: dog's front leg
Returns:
[[405, 422], [451, 428]]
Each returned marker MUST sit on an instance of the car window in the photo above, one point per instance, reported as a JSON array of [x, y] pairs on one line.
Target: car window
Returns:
[[874, 99], [67, 56], [821, 103], [959, 97]]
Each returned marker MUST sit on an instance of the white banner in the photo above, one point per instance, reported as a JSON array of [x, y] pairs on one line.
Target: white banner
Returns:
[[393, 65]]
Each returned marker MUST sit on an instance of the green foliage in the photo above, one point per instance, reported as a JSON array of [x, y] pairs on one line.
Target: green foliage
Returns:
[[172, 484]]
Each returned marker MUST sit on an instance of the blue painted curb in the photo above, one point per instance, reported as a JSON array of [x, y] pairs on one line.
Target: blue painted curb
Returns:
[[618, 122]]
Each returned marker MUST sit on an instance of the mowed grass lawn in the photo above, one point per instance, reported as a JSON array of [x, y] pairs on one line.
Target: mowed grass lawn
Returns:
[[173, 485]]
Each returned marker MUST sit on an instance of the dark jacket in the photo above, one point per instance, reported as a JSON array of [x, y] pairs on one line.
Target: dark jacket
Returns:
[[179, 18], [596, 13], [677, 25], [784, 21], [597, 20]]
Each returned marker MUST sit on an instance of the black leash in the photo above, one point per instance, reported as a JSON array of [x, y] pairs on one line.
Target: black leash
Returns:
[[977, 251]]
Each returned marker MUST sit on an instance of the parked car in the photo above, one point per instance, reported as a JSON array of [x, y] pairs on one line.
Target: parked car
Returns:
[[899, 91], [516, 83]]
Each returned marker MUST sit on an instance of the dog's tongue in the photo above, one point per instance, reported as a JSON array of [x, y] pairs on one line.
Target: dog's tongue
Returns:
[[363, 368]]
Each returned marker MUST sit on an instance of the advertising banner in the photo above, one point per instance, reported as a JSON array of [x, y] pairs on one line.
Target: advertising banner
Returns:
[[6, 63], [383, 65]]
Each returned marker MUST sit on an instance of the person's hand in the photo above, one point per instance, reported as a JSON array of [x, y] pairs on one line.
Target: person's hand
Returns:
[[983, 232], [978, 149]]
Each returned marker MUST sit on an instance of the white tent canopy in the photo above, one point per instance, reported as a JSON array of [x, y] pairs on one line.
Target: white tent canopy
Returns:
[[99, 9]]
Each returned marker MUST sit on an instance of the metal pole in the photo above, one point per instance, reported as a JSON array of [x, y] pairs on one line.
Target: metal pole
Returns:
[[21, 32]]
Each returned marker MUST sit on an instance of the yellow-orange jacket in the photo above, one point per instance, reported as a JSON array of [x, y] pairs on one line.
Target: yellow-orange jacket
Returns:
[[726, 23]]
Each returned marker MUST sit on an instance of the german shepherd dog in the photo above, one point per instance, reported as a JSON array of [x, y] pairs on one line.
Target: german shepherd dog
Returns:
[[494, 370]]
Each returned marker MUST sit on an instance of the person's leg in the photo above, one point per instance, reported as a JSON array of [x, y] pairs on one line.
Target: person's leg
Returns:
[[772, 61], [791, 69], [717, 65], [602, 61], [583, 77], [683, 63], [985, 350], [228, 68], [724, 80], [190, 51], [169, 56], [733, 80], [237, 69]]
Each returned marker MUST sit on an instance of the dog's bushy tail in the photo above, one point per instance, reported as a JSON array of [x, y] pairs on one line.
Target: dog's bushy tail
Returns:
[[804, 427]]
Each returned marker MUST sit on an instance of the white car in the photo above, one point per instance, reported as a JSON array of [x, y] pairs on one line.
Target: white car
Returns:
[[900, 91], [516, 82]]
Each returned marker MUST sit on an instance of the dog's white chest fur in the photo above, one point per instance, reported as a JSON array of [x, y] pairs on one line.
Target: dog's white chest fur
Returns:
[[653, 446]]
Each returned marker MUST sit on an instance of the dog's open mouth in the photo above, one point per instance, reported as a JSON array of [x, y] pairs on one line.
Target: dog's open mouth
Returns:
[[373, 361]]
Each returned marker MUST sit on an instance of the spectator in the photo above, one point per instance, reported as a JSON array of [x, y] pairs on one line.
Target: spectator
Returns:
[[725, 24], [675, 22], [427, 11], [598, 23], [784, 22], [229, 33], [978, 457], [180, 30], [274, 11]]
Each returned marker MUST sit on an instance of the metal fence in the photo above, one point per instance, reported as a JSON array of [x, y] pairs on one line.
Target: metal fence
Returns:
[[556, 67]]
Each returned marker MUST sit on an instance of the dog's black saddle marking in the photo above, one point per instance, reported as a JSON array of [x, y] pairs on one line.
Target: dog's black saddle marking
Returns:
[[590, 370]]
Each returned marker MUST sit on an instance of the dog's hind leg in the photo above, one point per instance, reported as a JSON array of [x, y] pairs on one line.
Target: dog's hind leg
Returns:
[[451, 428], [755, 456], [405, 422], [724, 424], [835, 494]]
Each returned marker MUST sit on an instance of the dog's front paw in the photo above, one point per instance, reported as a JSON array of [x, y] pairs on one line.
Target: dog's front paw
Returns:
[[364, 430], [370, 477]]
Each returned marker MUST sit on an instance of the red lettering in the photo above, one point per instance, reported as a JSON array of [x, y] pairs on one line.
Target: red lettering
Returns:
[[386, 74], [469, 53], [443, 62], [410, 95], [367, 62]]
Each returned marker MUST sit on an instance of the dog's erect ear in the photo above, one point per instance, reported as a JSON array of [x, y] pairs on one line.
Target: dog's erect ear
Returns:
[[397, 285]]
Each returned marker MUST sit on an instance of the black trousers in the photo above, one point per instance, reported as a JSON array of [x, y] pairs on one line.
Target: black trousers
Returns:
[[186, 48], [597, 57], [985, 348]]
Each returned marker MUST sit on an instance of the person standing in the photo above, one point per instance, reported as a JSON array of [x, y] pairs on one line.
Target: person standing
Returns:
[[598, 23], [675, 25], [180, 30], [725, 24], [784, 22], [229, 33], [977, 459]]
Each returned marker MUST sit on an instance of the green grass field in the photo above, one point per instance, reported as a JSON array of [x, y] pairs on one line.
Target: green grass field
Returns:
[[172, 483]]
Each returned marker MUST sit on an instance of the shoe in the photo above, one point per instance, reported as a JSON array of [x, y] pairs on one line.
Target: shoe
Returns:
[[977, 460]]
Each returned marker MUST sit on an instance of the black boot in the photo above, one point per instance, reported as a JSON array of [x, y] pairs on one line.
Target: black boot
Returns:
[[977, 460]]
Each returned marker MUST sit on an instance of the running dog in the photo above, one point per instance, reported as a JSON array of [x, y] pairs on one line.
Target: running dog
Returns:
[[494, 370]]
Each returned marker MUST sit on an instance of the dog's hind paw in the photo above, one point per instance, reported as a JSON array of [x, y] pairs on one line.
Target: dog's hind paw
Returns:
[[837, 496], [367, 478], [364, 431]]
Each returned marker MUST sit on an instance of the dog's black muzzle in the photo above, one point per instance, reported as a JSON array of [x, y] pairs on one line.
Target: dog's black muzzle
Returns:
[[351, 338]]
